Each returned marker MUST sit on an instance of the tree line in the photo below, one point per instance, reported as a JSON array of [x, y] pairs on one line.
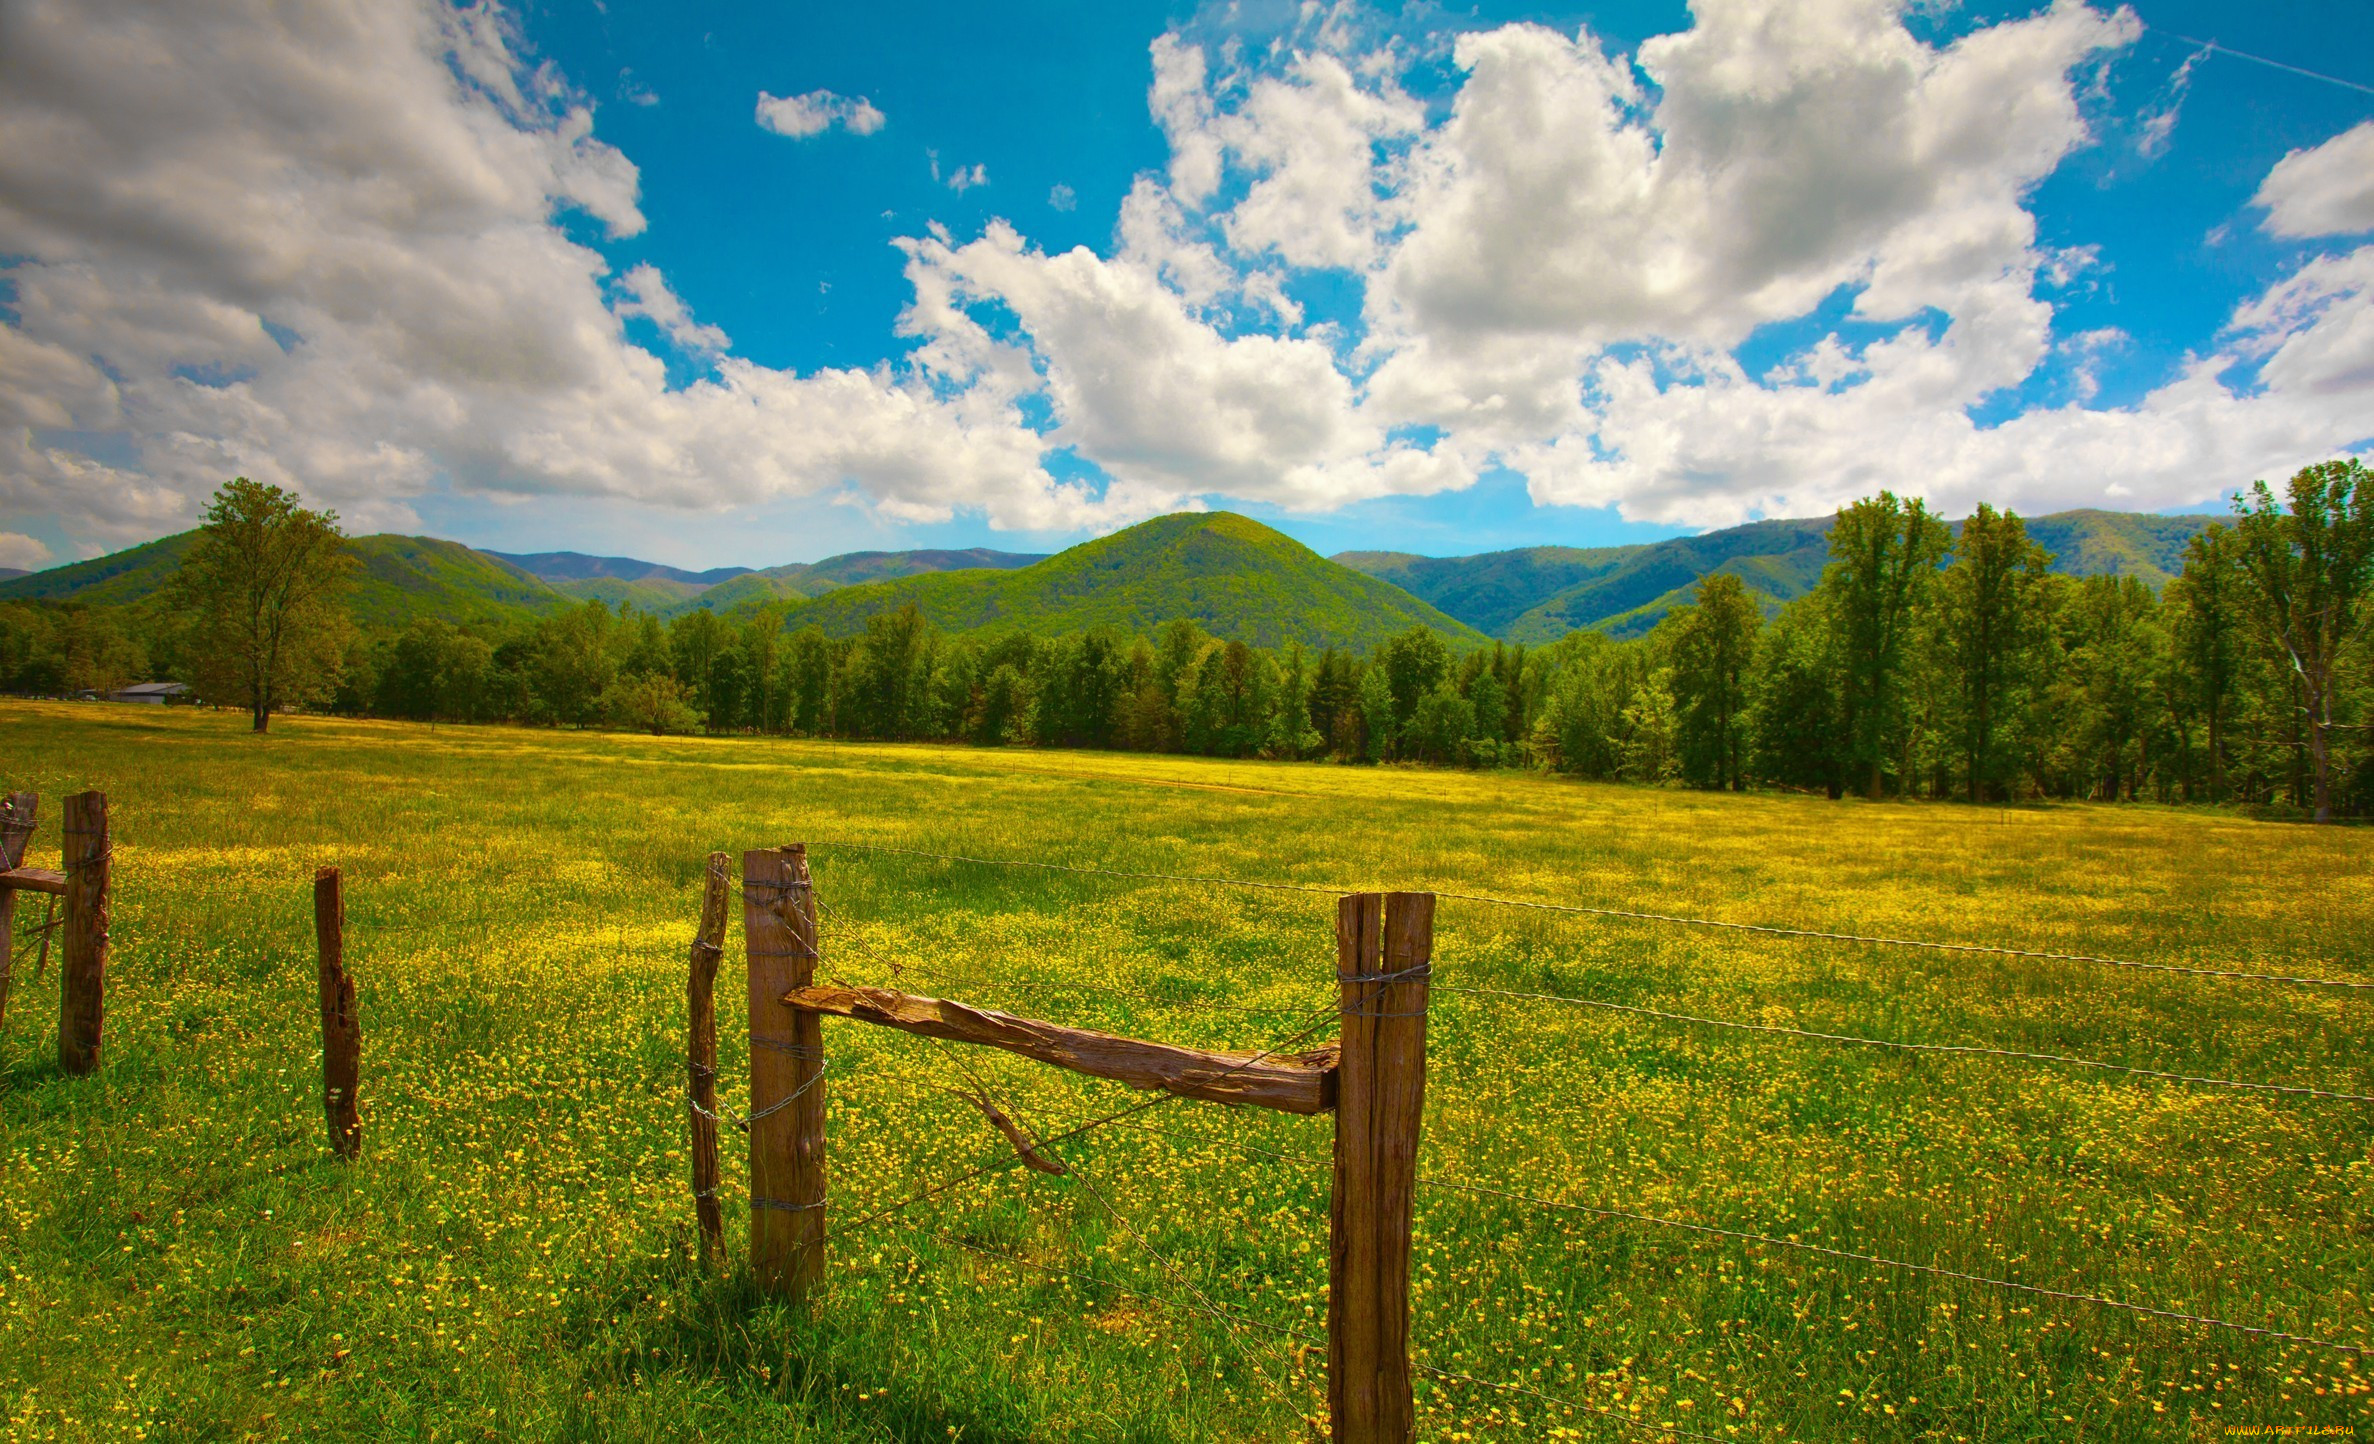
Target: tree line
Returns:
[[1926, 663]]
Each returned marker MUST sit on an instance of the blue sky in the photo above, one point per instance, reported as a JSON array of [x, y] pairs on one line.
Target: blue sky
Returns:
[[1416, 278]]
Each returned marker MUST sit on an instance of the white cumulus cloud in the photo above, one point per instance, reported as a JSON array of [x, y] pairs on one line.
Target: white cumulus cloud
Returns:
[[801, 116], [21, 551], [318, 245], [2327, 190]]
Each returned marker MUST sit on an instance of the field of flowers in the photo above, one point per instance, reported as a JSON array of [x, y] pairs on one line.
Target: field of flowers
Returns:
[[512, 1258]]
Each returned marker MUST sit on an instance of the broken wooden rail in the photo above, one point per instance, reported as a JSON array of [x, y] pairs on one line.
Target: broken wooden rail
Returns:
[[1373, 1081], [1300, 1083]]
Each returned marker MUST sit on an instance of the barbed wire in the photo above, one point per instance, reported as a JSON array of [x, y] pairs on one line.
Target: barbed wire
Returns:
[[1633, 915], [1954, 1048], [1092, 989], [1616, 1414], [1241, 1319], [1316, 1023], [1876, 1259]]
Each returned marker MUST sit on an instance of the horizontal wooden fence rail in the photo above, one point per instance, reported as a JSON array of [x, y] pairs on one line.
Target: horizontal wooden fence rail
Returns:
[[1292, 1083]]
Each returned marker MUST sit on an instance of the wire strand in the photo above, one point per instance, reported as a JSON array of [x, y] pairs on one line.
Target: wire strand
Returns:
[[1867, 1258], [1631, 915], [1967, 1049]]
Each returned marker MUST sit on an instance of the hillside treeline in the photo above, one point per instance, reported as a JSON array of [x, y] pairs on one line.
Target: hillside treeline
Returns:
[[1925, 663]]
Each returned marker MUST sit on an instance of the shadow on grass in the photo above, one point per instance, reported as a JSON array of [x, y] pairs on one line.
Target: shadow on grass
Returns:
[[732, 1334]]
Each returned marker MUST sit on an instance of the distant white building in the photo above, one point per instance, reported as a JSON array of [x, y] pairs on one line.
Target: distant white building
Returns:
[[153, 693]]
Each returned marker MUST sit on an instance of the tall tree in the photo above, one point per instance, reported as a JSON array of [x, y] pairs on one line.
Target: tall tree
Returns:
[[259, 589], [2206, 622], [1985, 642], [2311, 565], [1713, 648], [1884, 555]]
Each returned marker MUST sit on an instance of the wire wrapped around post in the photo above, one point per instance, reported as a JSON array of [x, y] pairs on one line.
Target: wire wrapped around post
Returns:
[[1384, 946]]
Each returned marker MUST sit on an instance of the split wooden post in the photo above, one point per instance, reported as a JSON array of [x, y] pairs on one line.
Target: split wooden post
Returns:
[[1383, 944], [341, 1026], [786, 1056], [83, 974], [700, 1055], [16, 830]]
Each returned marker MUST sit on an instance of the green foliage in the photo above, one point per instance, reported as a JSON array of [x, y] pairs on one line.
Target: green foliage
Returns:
[[1712, 644], [653, 702], [1997, 676], [1987, 639], [1884, 566], [1538, 594], [1230, 575], [258, 593], [2311, 565]]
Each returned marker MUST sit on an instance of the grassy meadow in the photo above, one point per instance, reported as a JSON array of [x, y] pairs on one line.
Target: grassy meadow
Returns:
[[512, 1258]]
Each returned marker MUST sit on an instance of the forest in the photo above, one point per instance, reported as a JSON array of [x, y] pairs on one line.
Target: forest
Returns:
[[1926, 664]]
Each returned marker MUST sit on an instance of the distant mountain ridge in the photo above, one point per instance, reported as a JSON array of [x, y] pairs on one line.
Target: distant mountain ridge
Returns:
[[1230, 574], [397, 579], [579, 567], [1538, 594], [401, 578]]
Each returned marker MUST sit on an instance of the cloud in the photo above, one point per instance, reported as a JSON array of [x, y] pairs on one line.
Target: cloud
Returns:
[[333, 252], [2325, 191], [801, 116], [648, 296], [1062, 198], [21, 551], [961, 179], [1156, 396], [321, 248], [2157, 127]]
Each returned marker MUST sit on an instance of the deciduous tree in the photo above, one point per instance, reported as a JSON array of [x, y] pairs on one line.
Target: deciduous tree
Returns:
[[259, 593]]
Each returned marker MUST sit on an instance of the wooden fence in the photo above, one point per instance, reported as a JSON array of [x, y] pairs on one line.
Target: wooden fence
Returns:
[[84, 884], [1373, 1081]]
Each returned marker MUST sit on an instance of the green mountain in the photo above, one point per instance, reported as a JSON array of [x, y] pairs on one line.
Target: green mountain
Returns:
[[1230, 574], [649, 594], [558, 567], [1539, 594], [398, 578], [802, 580], [2094, 543]]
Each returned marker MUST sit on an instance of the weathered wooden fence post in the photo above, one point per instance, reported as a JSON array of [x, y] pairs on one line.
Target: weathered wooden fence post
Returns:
[[700, 1055], [1383, 944], [16, 830], [786, 1056], [83, 974], [341, 1027]]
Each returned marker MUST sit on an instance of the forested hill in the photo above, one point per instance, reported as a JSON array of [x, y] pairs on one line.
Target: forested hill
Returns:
[[401, 578], [801, 580], [1236, 578], [670, 590], [398, 578], [1539, 594]]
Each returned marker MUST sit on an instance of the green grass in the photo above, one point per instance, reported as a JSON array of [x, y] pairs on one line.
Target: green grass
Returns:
[[180, 1260]]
